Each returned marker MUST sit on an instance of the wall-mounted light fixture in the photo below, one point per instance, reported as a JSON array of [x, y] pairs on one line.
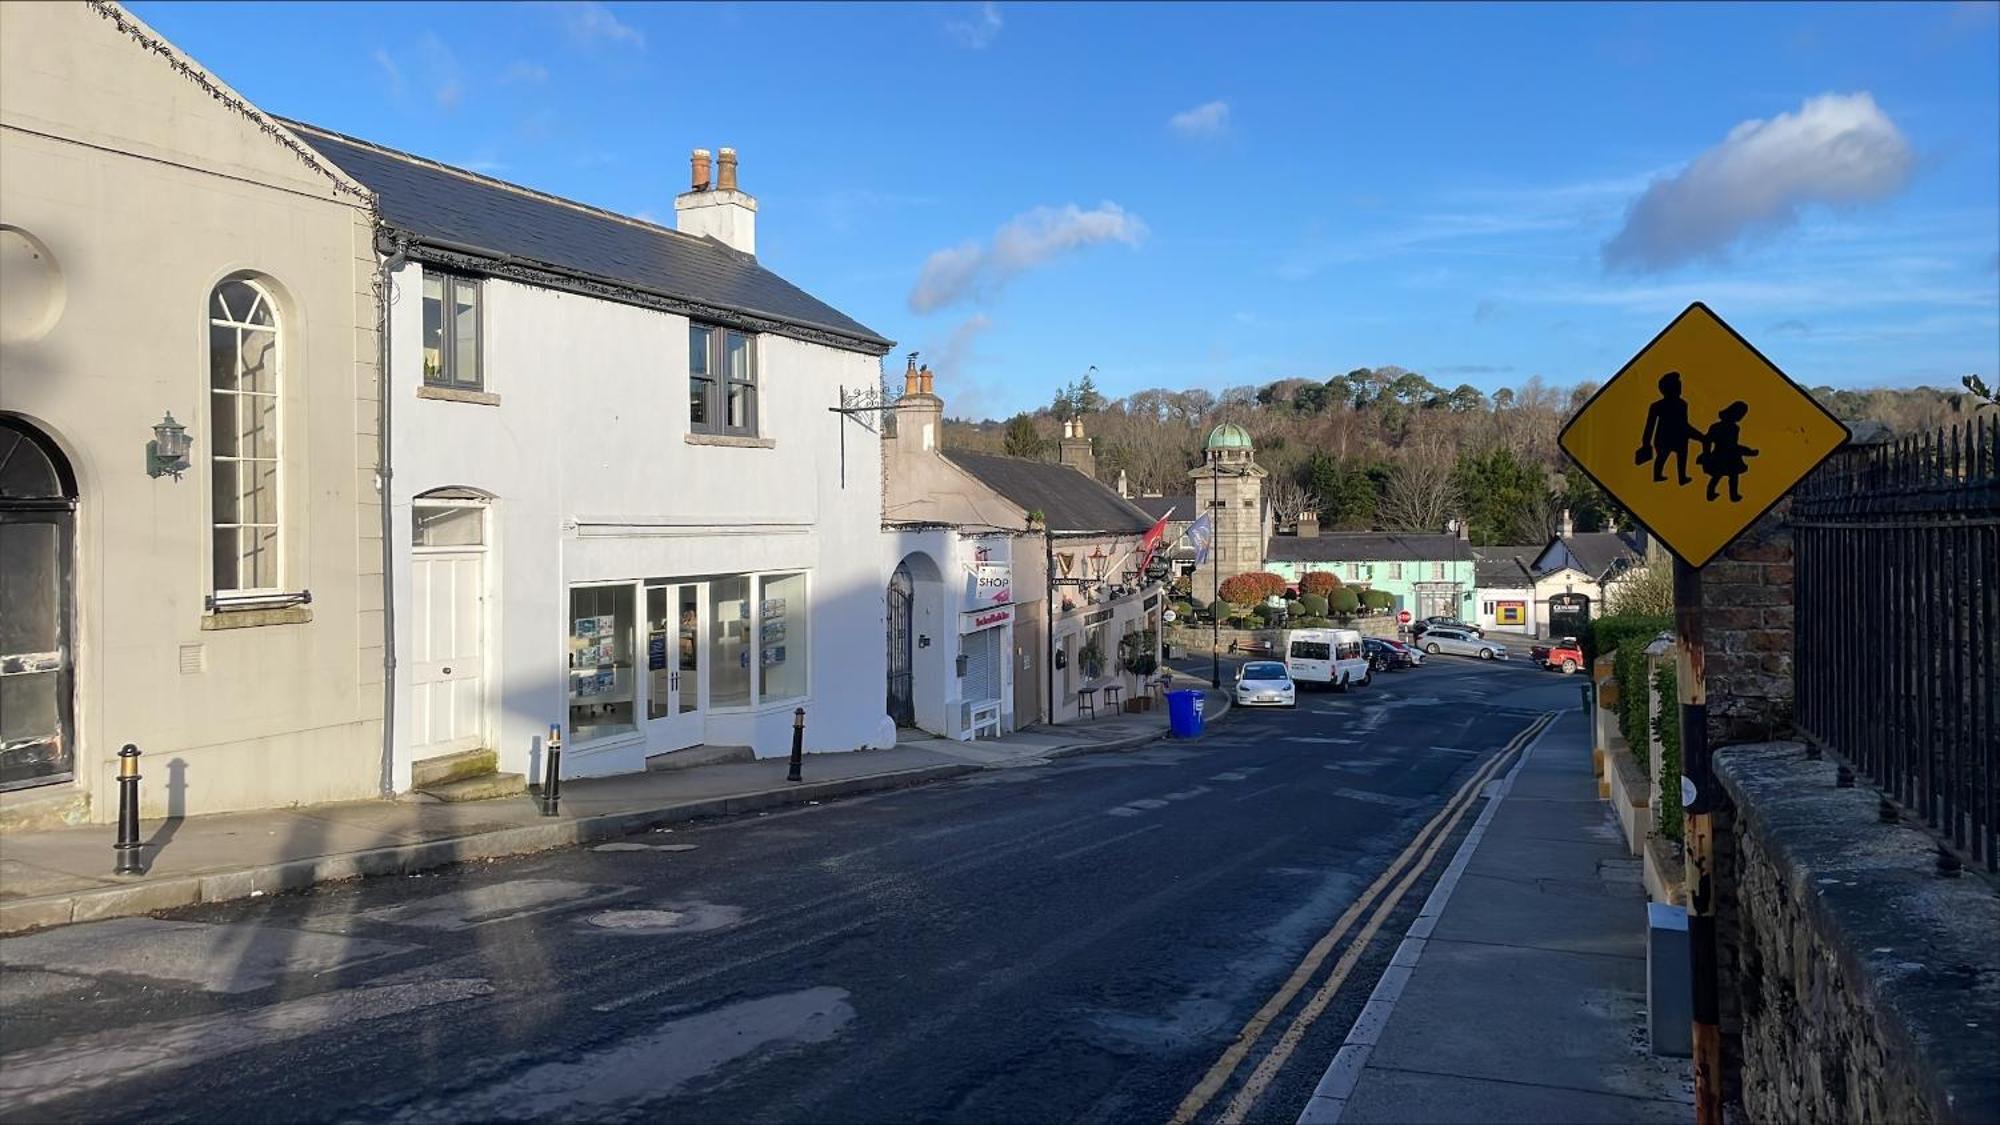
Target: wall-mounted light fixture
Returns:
[[962, 662], [167, 453], [923, 641]]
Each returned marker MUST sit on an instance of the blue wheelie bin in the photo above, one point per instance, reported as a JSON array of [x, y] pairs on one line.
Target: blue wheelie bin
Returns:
[[1184, 713]]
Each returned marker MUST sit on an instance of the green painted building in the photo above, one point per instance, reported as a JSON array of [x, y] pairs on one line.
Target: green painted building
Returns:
[[1429, 575]]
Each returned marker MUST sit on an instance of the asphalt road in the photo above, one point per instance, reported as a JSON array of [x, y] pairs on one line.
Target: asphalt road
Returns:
[[1077, 940]]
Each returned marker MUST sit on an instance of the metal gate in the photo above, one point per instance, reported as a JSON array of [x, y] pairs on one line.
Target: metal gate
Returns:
[[902, 701]]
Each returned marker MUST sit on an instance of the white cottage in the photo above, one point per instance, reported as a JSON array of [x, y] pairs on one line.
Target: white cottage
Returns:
[[621, 506]]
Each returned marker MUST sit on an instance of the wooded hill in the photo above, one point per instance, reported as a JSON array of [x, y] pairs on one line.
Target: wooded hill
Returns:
[[1385, 448]]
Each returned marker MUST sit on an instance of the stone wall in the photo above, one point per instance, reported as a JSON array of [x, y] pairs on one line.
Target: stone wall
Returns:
[[1859, 984], [1746, 595]]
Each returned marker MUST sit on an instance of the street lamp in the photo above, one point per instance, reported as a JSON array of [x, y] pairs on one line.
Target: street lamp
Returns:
[[167, 453]]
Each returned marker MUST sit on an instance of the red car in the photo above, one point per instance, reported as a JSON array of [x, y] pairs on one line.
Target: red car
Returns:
[[1565, 654]]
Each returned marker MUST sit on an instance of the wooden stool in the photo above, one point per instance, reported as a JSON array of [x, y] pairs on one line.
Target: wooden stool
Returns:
[[1086, 700], [1111, 694]]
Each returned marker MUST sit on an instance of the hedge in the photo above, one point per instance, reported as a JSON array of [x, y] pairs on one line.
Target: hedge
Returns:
[[1667, 724], [1634, 710], [1606, 633]]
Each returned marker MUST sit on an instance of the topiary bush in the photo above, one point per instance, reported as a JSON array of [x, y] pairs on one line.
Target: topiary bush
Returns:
[[1268, 615], [1377, 600], [1313, 605], [1241, 589], [1241, 620], [1318, 582], [1344, 601]]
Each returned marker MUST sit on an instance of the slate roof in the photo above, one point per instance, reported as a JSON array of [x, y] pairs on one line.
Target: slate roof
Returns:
[[1182, 507], [1366, 546], [1596, 552], [1068, 500], [1506, 566], [492, 219]]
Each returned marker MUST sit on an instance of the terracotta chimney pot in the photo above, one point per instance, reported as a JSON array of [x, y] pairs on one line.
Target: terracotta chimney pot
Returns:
[[699, 169], [725, 179]]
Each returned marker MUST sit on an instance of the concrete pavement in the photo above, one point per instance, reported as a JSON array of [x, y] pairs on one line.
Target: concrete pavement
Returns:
[[1519, 991], [59, 876]]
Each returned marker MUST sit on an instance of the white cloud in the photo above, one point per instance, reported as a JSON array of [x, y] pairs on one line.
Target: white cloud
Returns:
[[524, 71], [1836, 149], [1030, 239], [980, 30], [591, 23], [391, 73], [1210, 119]]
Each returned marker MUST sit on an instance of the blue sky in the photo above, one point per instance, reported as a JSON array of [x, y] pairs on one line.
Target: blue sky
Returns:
[[1189, 195]]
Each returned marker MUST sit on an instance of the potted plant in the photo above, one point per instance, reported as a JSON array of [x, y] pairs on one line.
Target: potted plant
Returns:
[[1091, 658]]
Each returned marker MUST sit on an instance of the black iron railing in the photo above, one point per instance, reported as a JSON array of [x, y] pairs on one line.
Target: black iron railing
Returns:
[[1898, 624]]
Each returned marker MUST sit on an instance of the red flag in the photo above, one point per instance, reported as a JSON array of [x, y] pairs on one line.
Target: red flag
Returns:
[[1150, 542]]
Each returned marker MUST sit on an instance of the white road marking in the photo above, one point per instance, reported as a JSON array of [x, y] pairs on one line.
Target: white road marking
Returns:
[[1147, 803], [74, 1065], [1456, 750], [1231, 775], [1187, 793], [1121, 810], [1319, 740], [648, 1067]]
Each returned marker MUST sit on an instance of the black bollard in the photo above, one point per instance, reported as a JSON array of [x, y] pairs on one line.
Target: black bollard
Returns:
[[798, 745], [128, 812], [552, 776]]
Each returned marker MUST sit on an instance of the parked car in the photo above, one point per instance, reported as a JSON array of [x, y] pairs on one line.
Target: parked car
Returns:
[[1265, 683], [1565, 654], [1430, 623], [1327, 656], [1458, 642], [1385, 655]]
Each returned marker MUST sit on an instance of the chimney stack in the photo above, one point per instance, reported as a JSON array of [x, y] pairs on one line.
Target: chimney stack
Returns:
[[1124, 485], [1308, 525], [919, 414], [1565, 529], [912, 385], [723, 212], [1074, 449]]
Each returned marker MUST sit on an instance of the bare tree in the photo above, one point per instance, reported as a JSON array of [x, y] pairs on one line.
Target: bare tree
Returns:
[[1422, 492], [1288, 498]]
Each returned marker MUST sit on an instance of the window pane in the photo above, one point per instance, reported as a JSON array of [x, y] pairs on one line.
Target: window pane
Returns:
[[260, 491], [29, 705], [436, 526], [739, 356], [30, 576], [223, 492], [222, 421], [660, 660], [465, 332], [741, 406], [222, 357], [227, 561], [257, 419], [698, 391], [781, 637], [729, 648], [260, 557], [433, 328], [259, 371], [690, 647], [698, 345], [600, 661]]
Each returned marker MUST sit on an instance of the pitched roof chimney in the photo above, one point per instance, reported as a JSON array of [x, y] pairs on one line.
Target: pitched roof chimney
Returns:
[[722, 212]]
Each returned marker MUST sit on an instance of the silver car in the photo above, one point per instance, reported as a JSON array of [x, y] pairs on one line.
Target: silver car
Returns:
[[1265, 682], [1458, 642]]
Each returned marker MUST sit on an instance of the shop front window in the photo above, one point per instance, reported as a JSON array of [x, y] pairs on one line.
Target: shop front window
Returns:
[[781, 637], [602, 676], [730, 646]]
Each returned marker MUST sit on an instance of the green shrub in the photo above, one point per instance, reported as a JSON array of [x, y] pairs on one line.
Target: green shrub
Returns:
[[1344, 601], [1313, 605], [1313, 622], [1634, 716], [1667, 724], [1266, 614], [1295, 608], [1607, 632], [1241, 620], [1377, 599], [1182, 610]]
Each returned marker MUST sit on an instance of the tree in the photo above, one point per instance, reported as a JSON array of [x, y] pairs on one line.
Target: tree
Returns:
[[1288, 497], [1465, 398], [1647, 590], [1346, 491], [1318, 582], [1021, 437], [1505, 499], [1423, 488], [1084, 395]]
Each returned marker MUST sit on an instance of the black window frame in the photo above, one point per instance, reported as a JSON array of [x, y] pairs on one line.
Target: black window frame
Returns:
[[718, 383], [448, 375]]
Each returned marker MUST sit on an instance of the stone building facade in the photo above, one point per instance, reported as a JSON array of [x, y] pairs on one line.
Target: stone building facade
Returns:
[[1230, 483]]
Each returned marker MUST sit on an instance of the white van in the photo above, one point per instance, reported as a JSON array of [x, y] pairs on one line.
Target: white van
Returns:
[[1326, 656]]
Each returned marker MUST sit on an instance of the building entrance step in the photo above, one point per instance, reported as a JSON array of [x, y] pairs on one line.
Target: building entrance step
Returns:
[[483, 787], [427, 773]]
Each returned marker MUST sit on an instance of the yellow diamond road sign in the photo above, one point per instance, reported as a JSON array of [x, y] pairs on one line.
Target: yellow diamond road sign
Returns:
[[1699, 435]]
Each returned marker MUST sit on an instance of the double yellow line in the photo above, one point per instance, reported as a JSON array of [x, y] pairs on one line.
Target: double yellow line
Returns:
[[1427, 842]]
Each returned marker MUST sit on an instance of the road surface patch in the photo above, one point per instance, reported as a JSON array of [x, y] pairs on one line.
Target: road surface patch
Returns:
[[498, 902], [214, 957], [676, 918]]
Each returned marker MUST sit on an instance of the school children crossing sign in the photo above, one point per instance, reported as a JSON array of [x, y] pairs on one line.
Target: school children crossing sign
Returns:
[[1699, 435]]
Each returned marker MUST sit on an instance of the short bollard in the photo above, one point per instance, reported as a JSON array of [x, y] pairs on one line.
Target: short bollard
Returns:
[[552, 776], [128, 812], [798, 744]]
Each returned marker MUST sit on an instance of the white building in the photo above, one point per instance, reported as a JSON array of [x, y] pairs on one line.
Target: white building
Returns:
[[1506, 600], [621, 506]]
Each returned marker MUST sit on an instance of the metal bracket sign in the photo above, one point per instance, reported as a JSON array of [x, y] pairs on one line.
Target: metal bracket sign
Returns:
[[1700, 435]]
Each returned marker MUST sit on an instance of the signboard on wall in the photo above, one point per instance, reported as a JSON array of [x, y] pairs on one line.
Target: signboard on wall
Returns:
[[992, 584], [1510, 612], [985, 619]]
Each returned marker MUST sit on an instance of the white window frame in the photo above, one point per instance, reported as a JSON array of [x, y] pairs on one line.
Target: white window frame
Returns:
[[218, 596], [447, 377]]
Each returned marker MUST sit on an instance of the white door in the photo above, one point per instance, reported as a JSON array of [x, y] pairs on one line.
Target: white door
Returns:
[[676, 665], [447, 650]]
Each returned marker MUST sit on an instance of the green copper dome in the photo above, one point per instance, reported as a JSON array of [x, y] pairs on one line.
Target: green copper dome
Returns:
[[1229, 435]]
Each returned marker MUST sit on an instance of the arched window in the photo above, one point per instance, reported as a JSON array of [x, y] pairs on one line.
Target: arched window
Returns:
[[244, 357]]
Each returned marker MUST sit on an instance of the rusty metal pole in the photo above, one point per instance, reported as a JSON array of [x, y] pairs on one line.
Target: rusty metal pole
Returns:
[[1698, 793]]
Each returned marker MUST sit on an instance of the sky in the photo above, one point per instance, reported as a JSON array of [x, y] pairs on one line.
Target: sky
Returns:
[[1187, 196]]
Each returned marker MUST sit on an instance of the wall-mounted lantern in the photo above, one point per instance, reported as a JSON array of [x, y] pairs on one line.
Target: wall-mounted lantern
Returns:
[[1098, 561], [167, 453]]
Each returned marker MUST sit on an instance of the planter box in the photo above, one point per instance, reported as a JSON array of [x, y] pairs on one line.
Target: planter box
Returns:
[[1666, 871], [1142, 703], [1631, 795]]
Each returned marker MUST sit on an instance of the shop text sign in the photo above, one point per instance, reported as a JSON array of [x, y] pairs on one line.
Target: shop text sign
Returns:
[[992, 584], [1699, 435], [985, 619]]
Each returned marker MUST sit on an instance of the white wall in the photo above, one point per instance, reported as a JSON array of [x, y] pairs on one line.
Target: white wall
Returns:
[[1491, 621], [595, 481]]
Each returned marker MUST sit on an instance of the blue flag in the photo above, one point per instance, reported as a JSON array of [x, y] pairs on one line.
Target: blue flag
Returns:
[[1201, 533]]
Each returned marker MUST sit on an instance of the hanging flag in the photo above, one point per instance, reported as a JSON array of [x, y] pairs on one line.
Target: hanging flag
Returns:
[[1149, 544], [1201, 533]]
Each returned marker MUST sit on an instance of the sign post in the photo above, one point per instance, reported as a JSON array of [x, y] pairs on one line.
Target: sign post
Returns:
[[1699, 394]]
